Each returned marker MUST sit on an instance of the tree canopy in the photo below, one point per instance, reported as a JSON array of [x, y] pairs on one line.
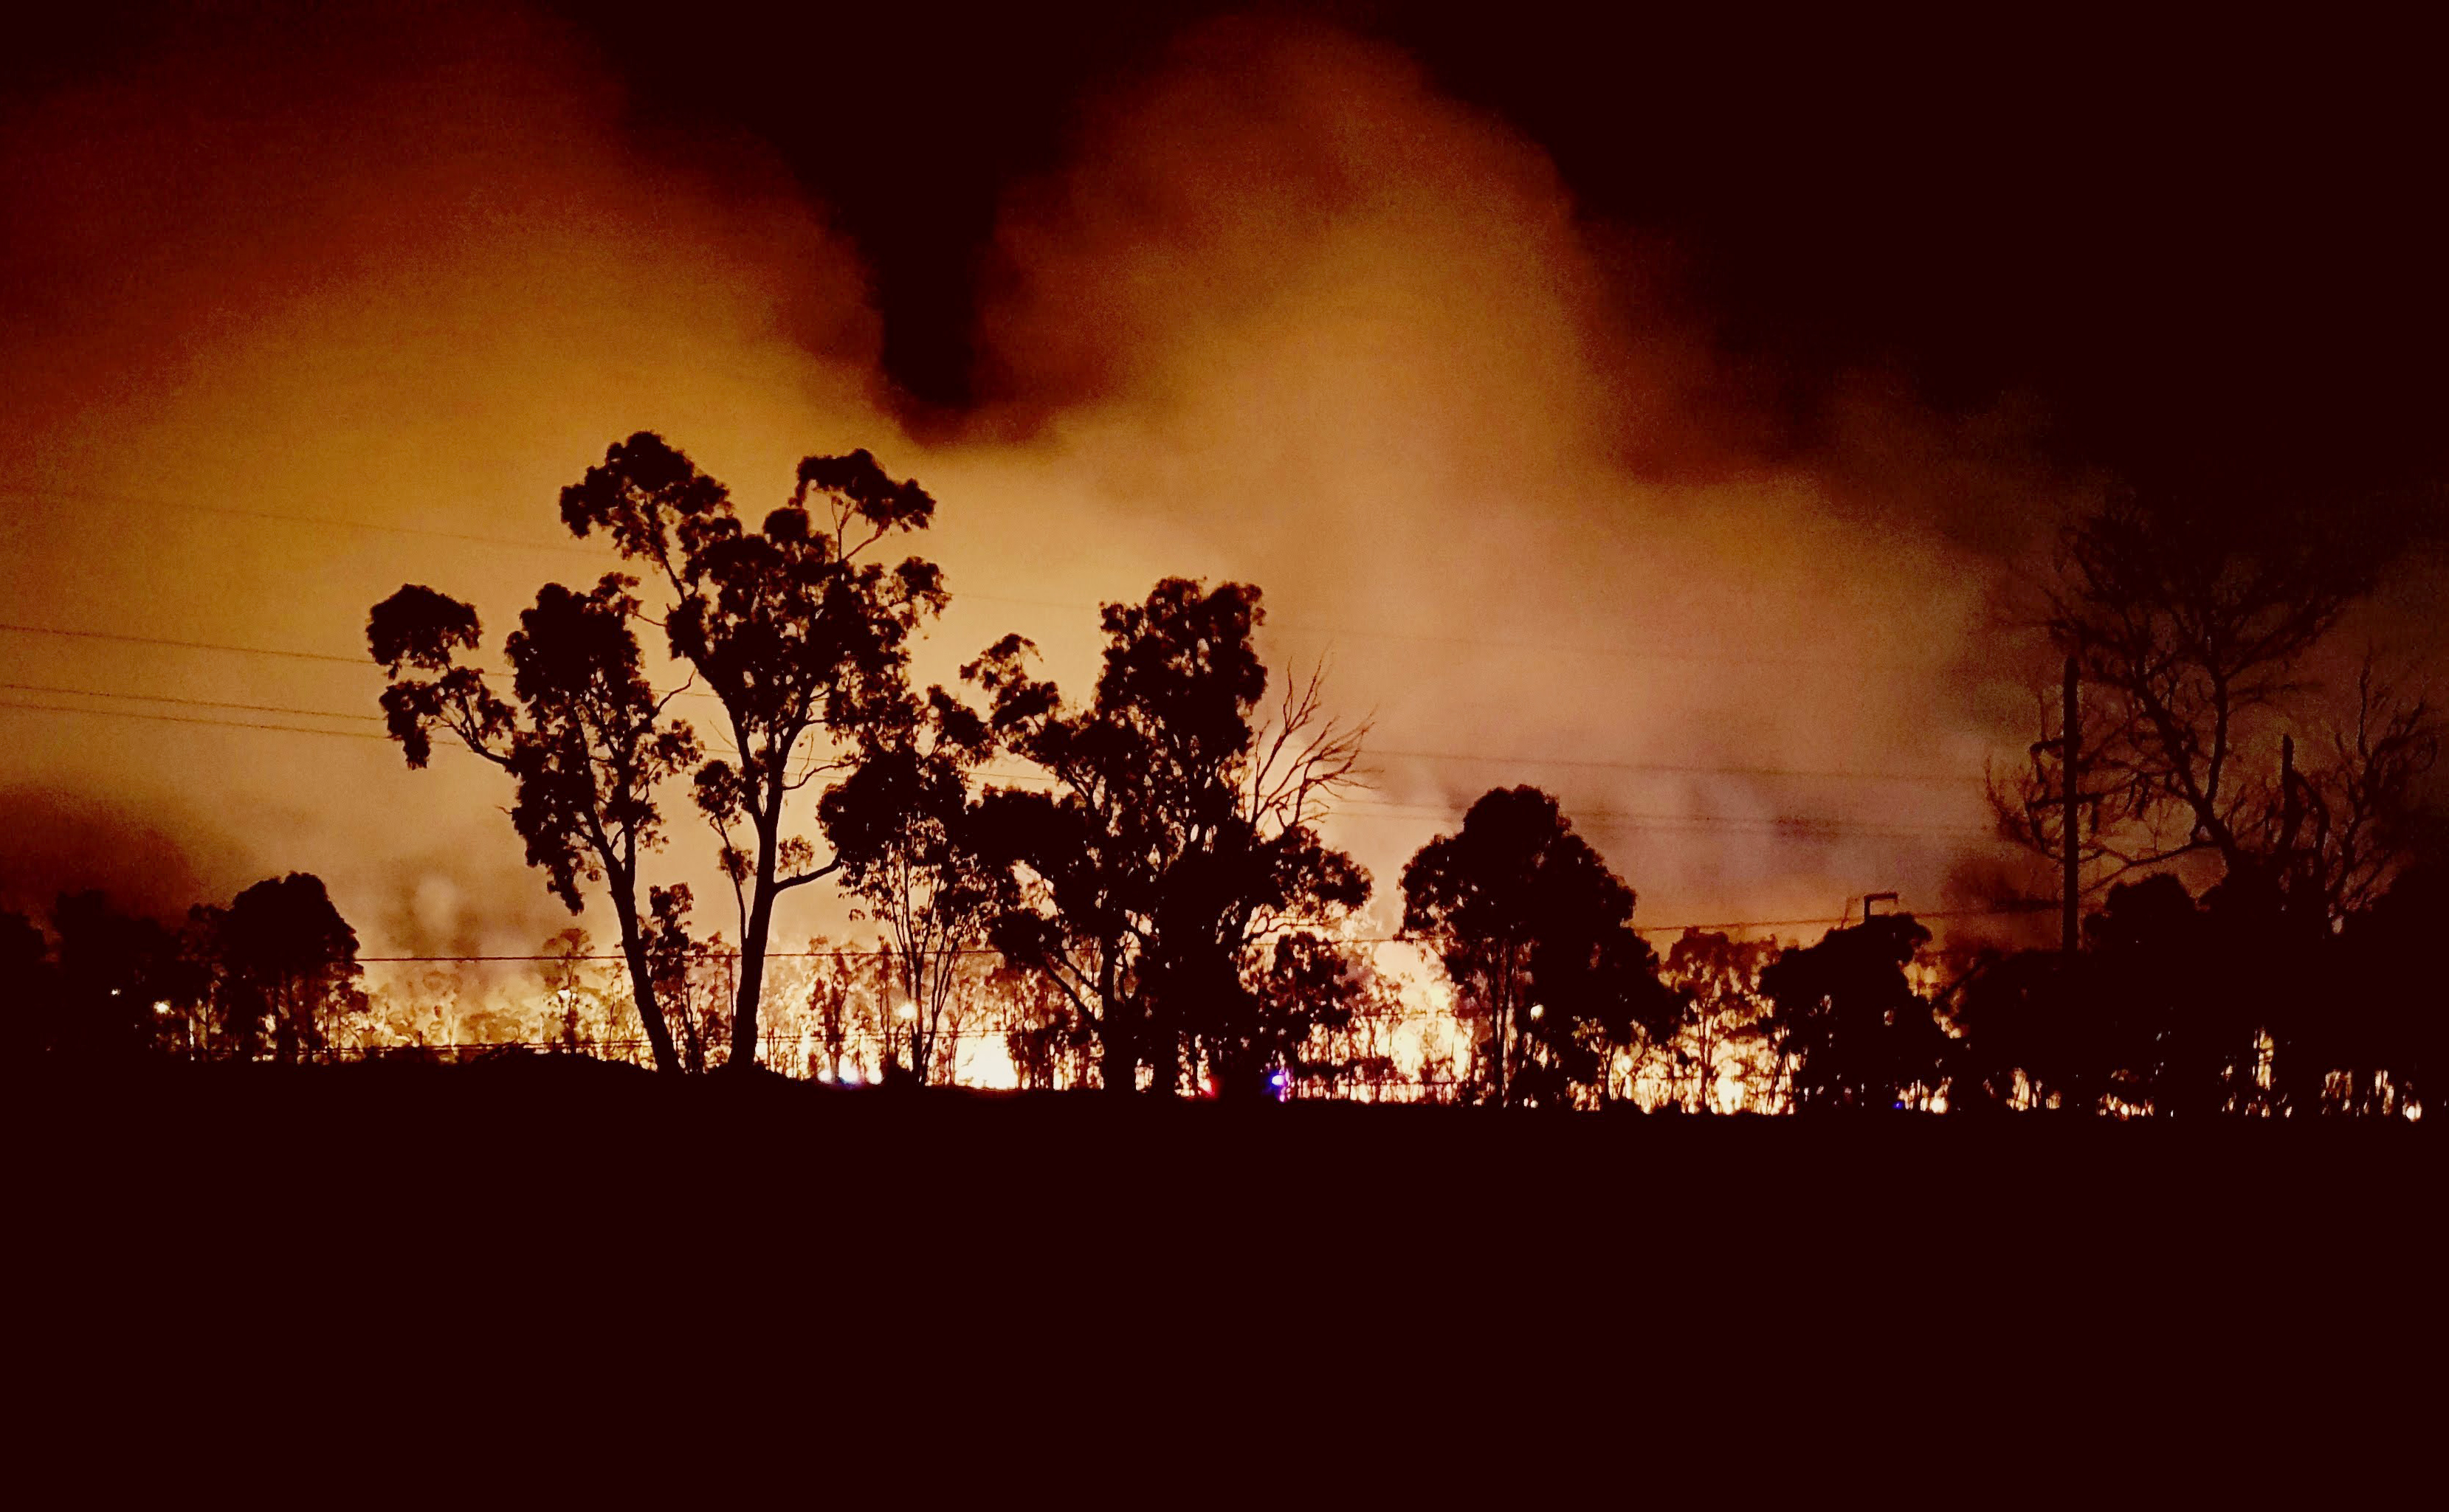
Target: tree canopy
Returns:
[[1171, 875], [794, 630], [1845, 1016], [587, 746], [284, 963], [1536, 936], [904, 827]]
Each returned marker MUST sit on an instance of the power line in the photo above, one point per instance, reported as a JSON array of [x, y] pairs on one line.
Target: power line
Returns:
[[201, 704], [186, 719], [1663, 765], [1538, 647], [709, 955], [1593, 763], [184, 645], [264, 708], [573, 547], [1793, 829], [365, 661], [140, 502], [1800, 832], [1800, 826], [1364, 939], [1781, 923], [1624, 653]]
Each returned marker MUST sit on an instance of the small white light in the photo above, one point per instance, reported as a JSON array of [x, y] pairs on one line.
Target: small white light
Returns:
[[1536, 1010], [850, 1079], [163, 1007], [909, 1012]]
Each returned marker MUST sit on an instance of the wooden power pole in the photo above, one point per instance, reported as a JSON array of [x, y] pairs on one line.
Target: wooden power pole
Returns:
[[2070, 761], [2292, 818]]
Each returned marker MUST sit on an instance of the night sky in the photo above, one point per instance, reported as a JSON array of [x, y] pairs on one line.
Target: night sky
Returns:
[[2207, 250], [2208, 253]]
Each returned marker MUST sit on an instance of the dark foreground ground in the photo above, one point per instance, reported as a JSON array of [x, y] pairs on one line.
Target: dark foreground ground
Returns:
[[454, 1235]]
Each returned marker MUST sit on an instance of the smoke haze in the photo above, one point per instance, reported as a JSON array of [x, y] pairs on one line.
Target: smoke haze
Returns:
[[1286, 315]]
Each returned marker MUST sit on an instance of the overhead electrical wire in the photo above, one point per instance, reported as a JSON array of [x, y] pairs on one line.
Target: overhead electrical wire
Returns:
[[1783, 827], [1663, 766], [2001, 912], [573, 547], [1585, 816], [1593, 763], [201, 704], [1799, 829], [138, 501], [1777, 828], [184, 645], [189, 718], [1601, 818]]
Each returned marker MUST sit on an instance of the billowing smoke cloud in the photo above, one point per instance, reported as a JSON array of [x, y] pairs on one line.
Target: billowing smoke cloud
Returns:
[[406, 276], [1292, 316], [1287, 316]]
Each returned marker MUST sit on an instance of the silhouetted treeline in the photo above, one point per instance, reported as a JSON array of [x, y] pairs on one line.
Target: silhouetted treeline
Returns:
[[1130, 889], [2177, 1005], [273, 976], [1162, 878], [2227, 1004]]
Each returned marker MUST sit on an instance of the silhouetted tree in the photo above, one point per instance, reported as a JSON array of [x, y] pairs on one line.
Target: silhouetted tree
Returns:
[[1050, 1044], [1241, 968], [903, 829], [585, 747], [2037, 1030], [1350, 1019], [1177, 847], [1535, 933], [28, 988], [2394, 998], [686, 972], [800, 640], [1307, 987], [111, 970], [567, 1000], [2190, 625], [284, 962], [2267, 965], [2343, 823], [1848, 1023], [2149, 964], [1718, 980], [833, 1009]]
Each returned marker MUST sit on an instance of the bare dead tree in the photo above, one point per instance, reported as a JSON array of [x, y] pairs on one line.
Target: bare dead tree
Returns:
[[1176, 851], [1301, 760], [2191, 635], [2341, 828]]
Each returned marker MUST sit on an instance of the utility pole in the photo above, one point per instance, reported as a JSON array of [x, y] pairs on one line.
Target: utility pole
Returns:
[[2070, 762], [2291, 810]]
